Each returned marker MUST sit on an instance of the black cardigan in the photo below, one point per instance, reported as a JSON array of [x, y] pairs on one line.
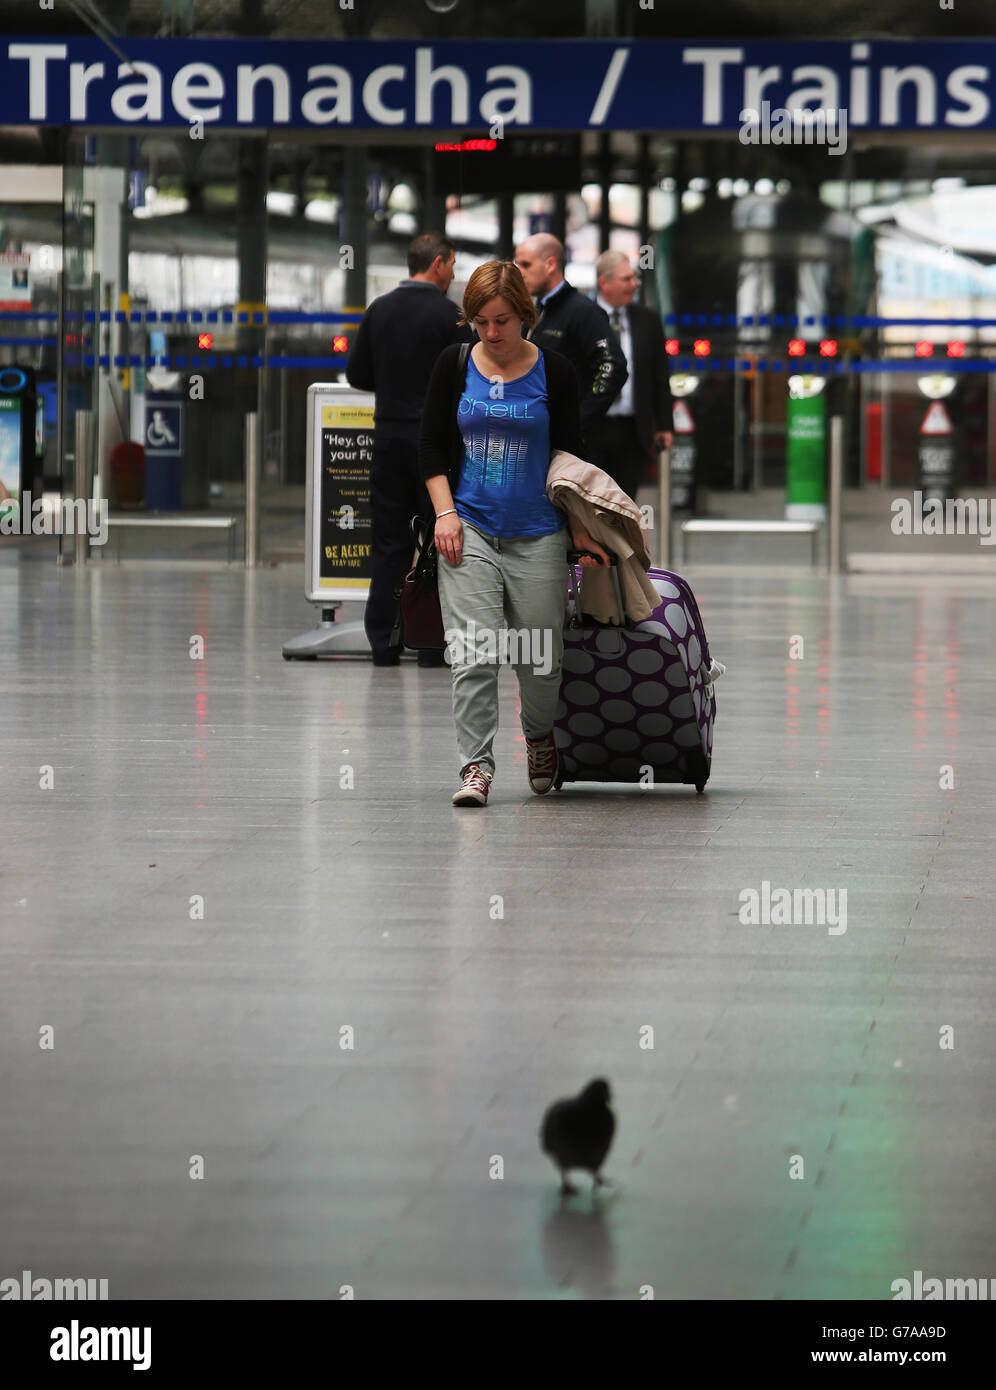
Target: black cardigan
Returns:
[[440, 445]]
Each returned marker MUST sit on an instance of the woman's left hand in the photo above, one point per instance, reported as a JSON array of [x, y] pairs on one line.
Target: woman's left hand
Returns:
[[582, 541]]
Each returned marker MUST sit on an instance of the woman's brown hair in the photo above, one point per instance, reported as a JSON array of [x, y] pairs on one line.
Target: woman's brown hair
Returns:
[[498, 278]]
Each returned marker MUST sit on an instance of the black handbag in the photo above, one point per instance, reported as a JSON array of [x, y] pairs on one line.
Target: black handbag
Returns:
[[420, 618]]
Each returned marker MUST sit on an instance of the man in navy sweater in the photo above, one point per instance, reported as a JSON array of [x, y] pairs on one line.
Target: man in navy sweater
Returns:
[[399, 338], [573, 325]]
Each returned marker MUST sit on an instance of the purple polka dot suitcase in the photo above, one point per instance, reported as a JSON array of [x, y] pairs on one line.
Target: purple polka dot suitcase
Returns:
[[638, 697]]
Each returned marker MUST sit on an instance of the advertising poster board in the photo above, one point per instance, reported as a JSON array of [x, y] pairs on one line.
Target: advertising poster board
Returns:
[[338, 530]]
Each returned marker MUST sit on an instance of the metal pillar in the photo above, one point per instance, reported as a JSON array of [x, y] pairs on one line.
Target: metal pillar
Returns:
[[738, 429], [664, 508], [106, 187], [643, 179], [284, 427], [251, 446], [250, 234], [757, 428], [836, 492], [353, 226], [560, 217], [80, 481], [124, 297], [506, 226], [433, 201], [605, 180], [60, 398], [251, 249]]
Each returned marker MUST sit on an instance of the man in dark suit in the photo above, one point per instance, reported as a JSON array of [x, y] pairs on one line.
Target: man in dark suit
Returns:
[[638, 423], [399, 338]]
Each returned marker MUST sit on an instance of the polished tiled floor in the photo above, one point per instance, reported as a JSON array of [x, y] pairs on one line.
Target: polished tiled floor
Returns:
[[376, 907]]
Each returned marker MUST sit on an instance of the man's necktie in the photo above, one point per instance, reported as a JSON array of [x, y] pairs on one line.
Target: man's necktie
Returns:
[[617, 323], [539, 315]]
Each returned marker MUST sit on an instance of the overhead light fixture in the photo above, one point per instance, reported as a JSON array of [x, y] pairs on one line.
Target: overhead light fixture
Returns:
[[936, 387]]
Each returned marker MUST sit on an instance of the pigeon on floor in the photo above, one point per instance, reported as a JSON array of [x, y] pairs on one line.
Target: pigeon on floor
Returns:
[[577, 1133]]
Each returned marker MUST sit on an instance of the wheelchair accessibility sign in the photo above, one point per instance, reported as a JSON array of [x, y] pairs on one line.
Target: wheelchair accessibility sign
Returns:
[[164, 428]]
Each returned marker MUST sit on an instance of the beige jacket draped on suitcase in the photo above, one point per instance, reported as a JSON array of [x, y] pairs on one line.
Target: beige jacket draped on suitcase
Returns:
[[613, 519]]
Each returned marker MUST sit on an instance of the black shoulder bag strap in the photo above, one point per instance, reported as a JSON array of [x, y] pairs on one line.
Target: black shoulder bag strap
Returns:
[[424, 540], [459, 382]]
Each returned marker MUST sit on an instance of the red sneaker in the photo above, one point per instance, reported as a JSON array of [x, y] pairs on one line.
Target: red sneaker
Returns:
[[475, 786]]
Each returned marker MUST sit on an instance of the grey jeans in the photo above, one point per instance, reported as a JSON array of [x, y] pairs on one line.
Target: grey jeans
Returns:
[[503, 604]]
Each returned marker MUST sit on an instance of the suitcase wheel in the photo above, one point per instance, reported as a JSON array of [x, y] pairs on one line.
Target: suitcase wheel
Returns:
[[700, 787]]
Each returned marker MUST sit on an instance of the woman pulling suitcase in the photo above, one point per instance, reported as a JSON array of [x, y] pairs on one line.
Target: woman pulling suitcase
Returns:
[[492, 419]]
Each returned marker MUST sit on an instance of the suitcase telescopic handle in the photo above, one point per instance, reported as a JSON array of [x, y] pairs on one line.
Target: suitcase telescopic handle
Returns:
[[573, 556]]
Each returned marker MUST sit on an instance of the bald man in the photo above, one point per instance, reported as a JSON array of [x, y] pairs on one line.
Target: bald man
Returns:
[[573, 325]]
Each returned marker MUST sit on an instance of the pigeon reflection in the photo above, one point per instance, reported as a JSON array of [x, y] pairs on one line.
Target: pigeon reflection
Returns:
[[578, 1250]]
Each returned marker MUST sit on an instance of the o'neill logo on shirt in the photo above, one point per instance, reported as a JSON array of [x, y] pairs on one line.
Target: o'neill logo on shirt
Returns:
[[498, 410]]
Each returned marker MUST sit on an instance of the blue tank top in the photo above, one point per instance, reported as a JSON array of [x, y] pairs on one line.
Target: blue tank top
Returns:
[[506, 455]]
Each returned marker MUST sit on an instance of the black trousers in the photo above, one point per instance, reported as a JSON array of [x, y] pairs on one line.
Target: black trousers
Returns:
[[614, 447], [397, 493]]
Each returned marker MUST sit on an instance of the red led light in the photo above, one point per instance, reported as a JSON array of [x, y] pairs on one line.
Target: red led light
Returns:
[[205, 341], [671, 347], [340, 344], [828, 347], [956, 349], [796, 347], [924, 349], [702, 347], [469, 145]]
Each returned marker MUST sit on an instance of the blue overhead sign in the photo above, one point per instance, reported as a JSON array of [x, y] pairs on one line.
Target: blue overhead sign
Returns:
[[543, 84]]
